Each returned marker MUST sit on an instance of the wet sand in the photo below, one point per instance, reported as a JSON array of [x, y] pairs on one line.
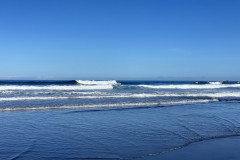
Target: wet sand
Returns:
[[123, 134], [215, 149]]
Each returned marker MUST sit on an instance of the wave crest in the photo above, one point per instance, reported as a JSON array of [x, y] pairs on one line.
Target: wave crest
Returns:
[[215, 82], [87, 82]]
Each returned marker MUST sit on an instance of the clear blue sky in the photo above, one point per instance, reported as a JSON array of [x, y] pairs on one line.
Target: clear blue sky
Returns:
[[119, 39]]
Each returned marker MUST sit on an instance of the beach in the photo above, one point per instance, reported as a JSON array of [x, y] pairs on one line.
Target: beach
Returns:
[[154, 131]]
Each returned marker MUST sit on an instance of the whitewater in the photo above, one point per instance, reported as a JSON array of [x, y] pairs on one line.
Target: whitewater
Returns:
[[40, 95]]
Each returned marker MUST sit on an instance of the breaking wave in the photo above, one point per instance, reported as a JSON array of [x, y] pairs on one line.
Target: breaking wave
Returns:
[[57, 82], [93, 93], [215, 82], [87, 82], [111, 86], [57, 85]]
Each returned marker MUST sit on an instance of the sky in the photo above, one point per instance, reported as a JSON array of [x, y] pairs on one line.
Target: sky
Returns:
[[120, 39]]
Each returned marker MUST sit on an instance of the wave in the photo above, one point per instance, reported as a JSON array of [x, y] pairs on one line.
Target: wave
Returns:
[[107, 105], [143, 95], [192, 86], [138, 82], [215, 82], [201, 82], [110, 82], [211, 95], [6, 92], [175, 82], [206, 82], [109, 86], [56, 87], [37, 82], [57, 82], [87, 82], [78, 97], [33, 98]]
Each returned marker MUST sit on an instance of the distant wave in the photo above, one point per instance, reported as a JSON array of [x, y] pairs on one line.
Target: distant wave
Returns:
[[111, 86], [106, 105], [106, 82], [192, 86], [215, 82], [57, 82], [37, 82], [87, 82], [201, 82], [56, 87], [206, 82]]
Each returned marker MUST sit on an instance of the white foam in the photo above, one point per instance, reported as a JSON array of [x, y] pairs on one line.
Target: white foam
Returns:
[[86, 82], [56, 87], [81, 93], [29, 98], [6, 92], [192, 86], [215, 82], [106, 105], [212, 95], [50, 98], [77, 97], [216, 95], [143, 95]]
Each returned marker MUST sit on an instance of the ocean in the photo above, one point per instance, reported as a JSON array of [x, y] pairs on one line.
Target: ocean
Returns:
[[82, 119]]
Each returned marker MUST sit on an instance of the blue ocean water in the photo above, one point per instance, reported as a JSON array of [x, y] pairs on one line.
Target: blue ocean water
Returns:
[[112, 119], [40, 95]]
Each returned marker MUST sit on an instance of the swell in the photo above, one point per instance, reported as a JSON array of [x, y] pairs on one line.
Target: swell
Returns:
[[36, 82], [176, 82], [99, 82], [191, 86], [57, 82], [56, 87]]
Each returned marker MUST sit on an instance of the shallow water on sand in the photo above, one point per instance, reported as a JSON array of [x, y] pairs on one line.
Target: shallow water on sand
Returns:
[[214, 149], [114, 133]]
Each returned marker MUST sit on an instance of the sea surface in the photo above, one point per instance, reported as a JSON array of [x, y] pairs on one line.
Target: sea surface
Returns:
[[81, 119]]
